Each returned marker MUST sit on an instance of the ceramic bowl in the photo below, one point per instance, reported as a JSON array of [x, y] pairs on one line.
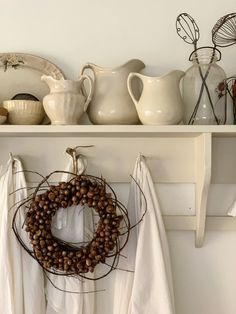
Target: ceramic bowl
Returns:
[[3, 119], [24, 111], [3, 115]]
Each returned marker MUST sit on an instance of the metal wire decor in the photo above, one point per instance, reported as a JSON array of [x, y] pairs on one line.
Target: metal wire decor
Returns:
[[223, 35], [224, 31]]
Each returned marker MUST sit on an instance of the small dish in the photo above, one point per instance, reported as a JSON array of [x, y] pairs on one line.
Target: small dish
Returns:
[[24, 111], [21, 73]]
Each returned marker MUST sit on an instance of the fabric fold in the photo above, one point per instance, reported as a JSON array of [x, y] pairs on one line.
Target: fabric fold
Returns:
[[21, 278], [71, 224], [149, 289], [232, 210]]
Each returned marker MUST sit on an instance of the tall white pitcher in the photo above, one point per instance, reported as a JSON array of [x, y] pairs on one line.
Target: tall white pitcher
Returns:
[[111, 103]]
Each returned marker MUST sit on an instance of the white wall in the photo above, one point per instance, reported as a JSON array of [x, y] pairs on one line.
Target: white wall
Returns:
[[109, 32]]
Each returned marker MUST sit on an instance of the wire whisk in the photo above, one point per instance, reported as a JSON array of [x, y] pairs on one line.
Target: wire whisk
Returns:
[[187, 28], [224, 31]]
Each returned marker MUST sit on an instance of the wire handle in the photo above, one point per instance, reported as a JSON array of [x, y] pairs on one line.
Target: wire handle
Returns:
[[213, 48]]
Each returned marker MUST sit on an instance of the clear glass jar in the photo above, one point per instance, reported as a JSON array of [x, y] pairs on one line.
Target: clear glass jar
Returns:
[[202, 102]]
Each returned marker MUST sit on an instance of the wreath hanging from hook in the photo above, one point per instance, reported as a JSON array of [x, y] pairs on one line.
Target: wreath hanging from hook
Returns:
[[111, 230]]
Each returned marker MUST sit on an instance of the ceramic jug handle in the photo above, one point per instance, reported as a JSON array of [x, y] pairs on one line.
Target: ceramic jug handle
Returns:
[[84, 77], [85, 67], [129, 81]]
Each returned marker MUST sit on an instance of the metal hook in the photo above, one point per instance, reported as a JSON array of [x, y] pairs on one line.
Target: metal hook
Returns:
[[141, 157], [11, 157], [72, 152]]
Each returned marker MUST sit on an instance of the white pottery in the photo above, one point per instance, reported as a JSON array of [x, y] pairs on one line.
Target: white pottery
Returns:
[[24, 111], [3, 119], [3, 115], [160, 102], [65, 104], [111, 103], [21, 73]]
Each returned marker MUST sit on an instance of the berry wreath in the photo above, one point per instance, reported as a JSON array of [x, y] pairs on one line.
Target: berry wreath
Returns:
[[110, 234]]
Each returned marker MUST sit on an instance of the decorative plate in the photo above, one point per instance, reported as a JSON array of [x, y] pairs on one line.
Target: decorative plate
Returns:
[[21, 73]]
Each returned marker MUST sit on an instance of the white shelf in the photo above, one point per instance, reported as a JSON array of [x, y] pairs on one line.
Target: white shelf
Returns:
[[117, 130], [175, 154], [189, 223]]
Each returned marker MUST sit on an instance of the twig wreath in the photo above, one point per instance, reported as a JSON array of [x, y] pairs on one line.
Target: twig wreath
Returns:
[[110, 235]]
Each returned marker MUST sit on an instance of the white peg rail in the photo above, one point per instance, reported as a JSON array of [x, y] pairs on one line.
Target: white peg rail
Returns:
[[175, 154]]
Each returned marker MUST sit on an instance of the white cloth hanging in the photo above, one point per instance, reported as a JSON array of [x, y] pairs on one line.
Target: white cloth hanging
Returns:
[[123, 279], [232, 210], [21, 278], [71, 225], [149, 289]]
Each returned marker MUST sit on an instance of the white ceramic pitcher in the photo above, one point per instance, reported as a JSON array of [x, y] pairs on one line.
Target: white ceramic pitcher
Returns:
[[65, 104], [111, 103], [160, 102]]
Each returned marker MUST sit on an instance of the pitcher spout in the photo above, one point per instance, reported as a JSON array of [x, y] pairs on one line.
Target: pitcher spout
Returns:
[[134, 65], [176, 74], [49, 80]]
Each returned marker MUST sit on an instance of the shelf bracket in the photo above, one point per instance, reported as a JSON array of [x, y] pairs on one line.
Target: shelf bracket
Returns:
[[203, 180]]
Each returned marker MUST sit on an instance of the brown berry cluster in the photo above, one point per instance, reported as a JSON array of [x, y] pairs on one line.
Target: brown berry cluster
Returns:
[[53, 254]]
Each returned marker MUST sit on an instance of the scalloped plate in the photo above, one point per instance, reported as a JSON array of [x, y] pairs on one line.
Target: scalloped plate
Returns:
[[21, 73]]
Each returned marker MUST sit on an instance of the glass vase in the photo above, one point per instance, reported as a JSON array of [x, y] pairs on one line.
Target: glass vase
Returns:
[[201, 89]]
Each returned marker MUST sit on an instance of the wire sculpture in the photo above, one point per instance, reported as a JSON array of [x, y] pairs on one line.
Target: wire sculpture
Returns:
[[223, 35], [187, 29], [224, 31]]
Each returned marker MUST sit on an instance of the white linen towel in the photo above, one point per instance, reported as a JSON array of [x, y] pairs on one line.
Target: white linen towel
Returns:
[[232, 210], [71, 225], [150, 289], [21, 278]]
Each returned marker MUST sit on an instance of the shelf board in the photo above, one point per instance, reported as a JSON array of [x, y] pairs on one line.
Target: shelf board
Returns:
[[116, 130], [188, 223]]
